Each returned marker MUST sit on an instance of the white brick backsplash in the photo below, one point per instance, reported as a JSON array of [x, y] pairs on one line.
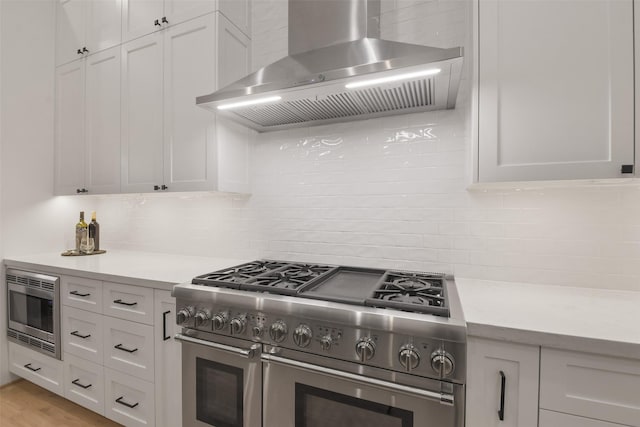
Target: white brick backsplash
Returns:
[[386, 193]]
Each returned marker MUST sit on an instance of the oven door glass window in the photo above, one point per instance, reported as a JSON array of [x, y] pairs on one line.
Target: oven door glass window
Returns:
[[219, 391], [316, 407], [31, 311]]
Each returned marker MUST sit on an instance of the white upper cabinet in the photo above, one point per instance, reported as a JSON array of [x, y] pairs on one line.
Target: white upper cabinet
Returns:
[[555, 89], [168, 142], [69, 129], [102, 122], [142, 101], [86, 27], [142, 17], [87, 136]]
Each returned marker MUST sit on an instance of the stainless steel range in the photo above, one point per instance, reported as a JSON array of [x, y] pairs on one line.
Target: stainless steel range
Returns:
[[278, 344]]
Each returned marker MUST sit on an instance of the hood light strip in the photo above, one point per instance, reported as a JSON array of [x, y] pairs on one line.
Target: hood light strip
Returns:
[[394, 78], [250, 102]]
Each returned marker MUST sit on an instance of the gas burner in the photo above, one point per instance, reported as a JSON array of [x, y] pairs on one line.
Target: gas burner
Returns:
[[417, 292], [234, 276], [287, 280]]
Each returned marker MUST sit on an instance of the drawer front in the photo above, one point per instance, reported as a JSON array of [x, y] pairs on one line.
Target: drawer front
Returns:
[[85, 294], [82, 334], [594, 386], [128, 347], [128, 400], [38, 368], [128, 302], [557, 419], [84, 383]]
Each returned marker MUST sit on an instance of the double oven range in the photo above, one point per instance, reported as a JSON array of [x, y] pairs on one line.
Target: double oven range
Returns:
[[280, 344]]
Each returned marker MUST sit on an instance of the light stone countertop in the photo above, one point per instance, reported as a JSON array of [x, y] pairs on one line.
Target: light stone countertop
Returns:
[[155, 270], [580, 319]]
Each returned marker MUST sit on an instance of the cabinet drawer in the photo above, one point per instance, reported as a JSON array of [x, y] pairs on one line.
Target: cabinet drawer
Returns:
[[557, 419], [128, 400], [128, 347], [128, 302], [594, 386], [82, 334], [85, 294], [40, 369], [84, 383]]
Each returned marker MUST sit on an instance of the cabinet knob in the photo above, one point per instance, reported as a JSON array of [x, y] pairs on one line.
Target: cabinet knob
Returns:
[[164, 187], [157, 22], [79, 51], [626, 169], [164, 20], [85, 50], [81, 190], [156, 187]]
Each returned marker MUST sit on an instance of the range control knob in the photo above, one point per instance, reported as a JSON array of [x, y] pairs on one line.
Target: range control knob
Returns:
[[238, 324], [365, 349], [278, 331], [409, 357], [202, 317], [326, 342], [257, 331], [442, 363], [220, 320], [184, 315], [302, 335]]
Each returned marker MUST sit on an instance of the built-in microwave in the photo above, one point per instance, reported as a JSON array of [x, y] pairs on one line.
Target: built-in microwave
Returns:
[[33, 307]]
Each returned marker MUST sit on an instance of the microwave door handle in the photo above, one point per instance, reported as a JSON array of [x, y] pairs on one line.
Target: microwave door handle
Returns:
[[443, 398], [248, 353]]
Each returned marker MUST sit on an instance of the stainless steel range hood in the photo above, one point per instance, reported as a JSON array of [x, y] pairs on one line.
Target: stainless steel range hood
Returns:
[[338, 69]]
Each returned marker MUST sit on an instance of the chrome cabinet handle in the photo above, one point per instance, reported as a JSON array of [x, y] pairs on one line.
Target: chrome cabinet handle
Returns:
[[128, 405], [249, 353], [28, 366], [128, 350], [503, 383], [443, 398], [79, 384], [128, 304], [79, 335]]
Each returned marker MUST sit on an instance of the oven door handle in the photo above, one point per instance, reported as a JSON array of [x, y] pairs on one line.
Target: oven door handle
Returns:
[[443, 398], [249, 353]]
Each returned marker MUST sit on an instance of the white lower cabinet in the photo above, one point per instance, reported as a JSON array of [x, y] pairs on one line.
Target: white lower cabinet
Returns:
[[168, 362], [38, 368], [84, 383], [595, 386], [557, 419], [82, 334], [502, 382], [128, 400], [129, 347]]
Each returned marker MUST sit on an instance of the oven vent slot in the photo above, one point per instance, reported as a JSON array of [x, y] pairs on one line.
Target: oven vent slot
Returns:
[[49, 348], [12, 334], [24, 338], [30, 282], [32, 342]]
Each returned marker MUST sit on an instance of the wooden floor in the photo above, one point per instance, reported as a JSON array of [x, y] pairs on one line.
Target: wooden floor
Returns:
[[24, 404]]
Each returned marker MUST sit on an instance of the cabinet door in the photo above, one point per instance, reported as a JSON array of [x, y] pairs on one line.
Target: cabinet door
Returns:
[[102, 134], [82, 334], [190, 71], [69, 133], [233, 53], [142, 101], [557, 419], [238, 12], [168, 353], [138, 17], [84, 383], [103, 24], [38, 368], [178, 11], [555, 89], [70, 28], [486, 360], [128, 400], [128, 347]]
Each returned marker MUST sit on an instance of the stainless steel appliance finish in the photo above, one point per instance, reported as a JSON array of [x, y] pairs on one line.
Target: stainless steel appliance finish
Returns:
[[328, 352], [333, 43], [33, 309]]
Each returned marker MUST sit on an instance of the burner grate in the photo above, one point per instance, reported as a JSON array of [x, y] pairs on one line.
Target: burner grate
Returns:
[[234, 276], [287, 280], [415, 292]]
